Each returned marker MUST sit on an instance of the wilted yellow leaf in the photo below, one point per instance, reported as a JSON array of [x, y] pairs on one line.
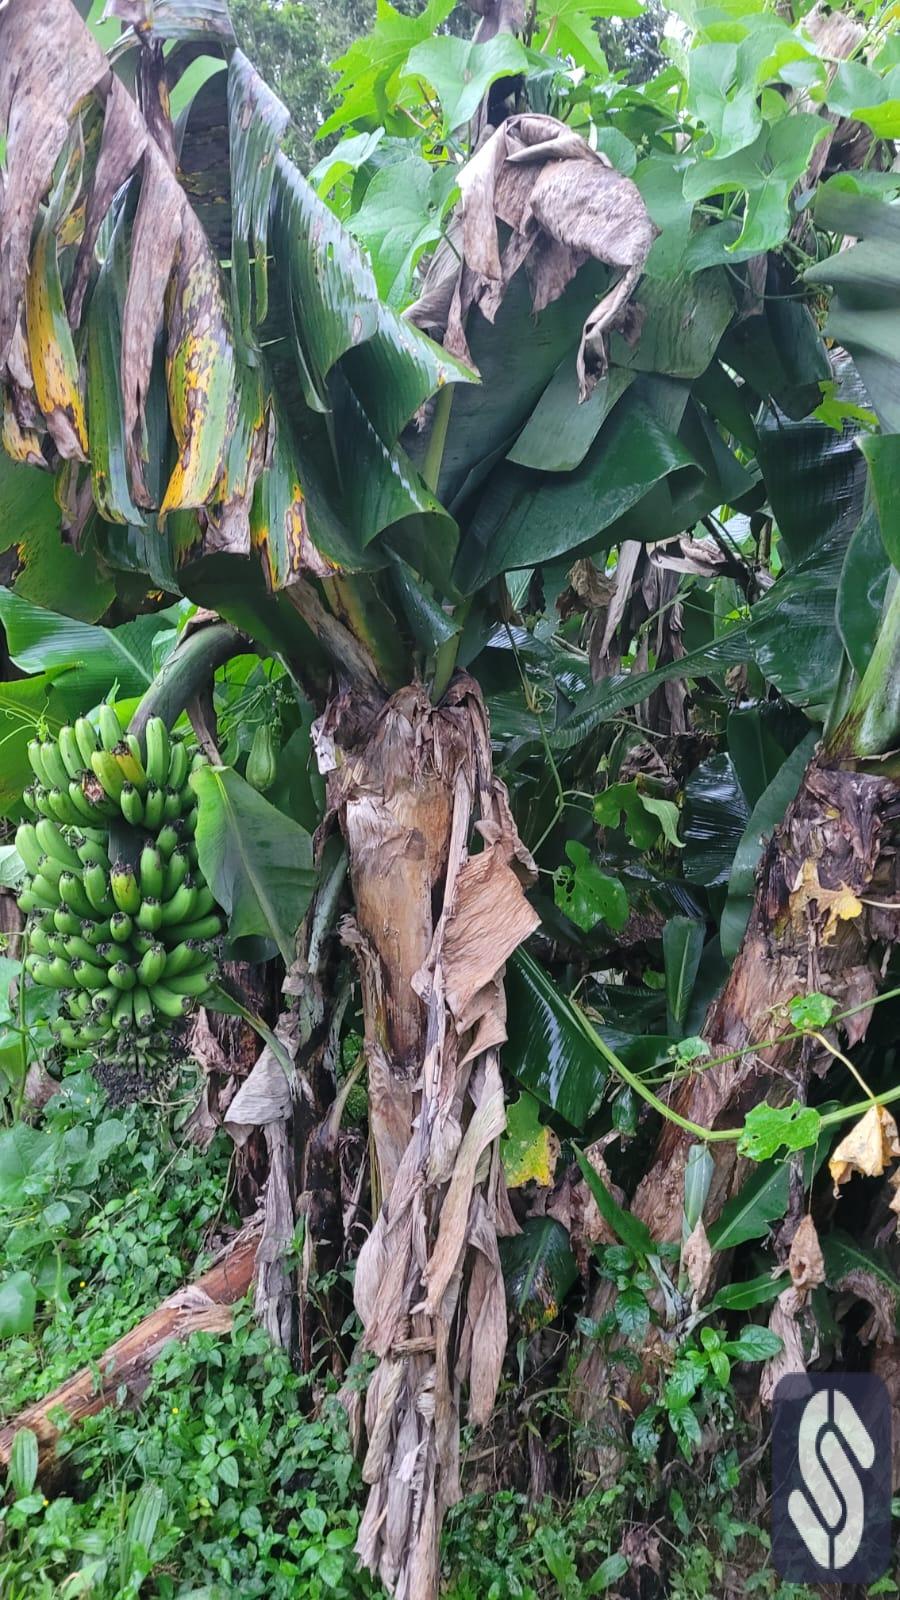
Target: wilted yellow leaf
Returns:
[[530, 1151], [836, 905], [868, 1148]]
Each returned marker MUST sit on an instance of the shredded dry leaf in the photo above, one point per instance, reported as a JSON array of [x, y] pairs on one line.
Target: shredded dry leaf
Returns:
[[564, 204], [806, 1263]]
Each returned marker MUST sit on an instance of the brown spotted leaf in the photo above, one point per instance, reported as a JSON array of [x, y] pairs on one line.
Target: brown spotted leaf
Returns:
[[54, 364]]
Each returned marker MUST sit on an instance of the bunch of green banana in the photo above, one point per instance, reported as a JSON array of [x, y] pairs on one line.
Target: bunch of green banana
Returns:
[[129, 941]]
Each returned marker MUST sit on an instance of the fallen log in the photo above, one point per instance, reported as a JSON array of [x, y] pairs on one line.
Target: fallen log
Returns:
[[200, 1307]]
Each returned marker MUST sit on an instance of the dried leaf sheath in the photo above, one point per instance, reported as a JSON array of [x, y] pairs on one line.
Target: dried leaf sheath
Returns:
[[428, 1286]]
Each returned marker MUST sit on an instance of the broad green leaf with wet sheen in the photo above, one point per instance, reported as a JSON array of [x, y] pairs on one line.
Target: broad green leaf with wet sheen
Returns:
[[257, 861], [462, 71]]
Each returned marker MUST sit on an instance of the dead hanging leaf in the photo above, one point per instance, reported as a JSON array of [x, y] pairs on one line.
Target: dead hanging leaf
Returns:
[[529, 1151], [199, 372], [806, 1263], [123, 143], [834, 905], [49, 62], [564, 204], [870, 1146], [697, 1261], [54, 364]]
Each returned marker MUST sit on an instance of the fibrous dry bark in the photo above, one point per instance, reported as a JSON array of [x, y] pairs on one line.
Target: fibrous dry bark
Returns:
[[434, 924]]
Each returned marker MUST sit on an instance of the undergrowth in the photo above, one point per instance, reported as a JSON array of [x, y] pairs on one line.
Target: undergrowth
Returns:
[[236, 1476]]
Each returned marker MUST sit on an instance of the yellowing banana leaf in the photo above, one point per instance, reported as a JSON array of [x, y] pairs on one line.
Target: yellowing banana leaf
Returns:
[[229, 520], [20, 443], [51, 350], [278, 525], [199, 372]]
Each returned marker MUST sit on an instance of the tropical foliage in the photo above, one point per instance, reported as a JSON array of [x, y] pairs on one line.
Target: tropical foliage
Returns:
[[508, 511]]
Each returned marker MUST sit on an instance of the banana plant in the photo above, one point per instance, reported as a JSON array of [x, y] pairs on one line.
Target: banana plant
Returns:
[[498, 426]]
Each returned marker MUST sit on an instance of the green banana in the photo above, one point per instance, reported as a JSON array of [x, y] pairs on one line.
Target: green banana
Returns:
[[71, 755], [88, 976], [179, 763], [43, 919], [151, 872], [143, 1010], [125, 889], [181, 906], [78, 949], [29, 796], [151, 965], [54, 843], [97, 889], [149, 917], [72, 894], [61, 808], [156, 744], [171, 804], [28, 901], [122, 975], [40, 942], [54, 766], [168, 1003], [57, 942], [50, 868], [95, 932], [190, 821], [192, 983], [177, 868], [108, 773], [110, 727], [87, 811], [123, 1012], [206, 928], [91, 854], [142, 942], [130, 767], [185, 957], [132, 805], [36, 762], [65, 921], [168, 839], [120, 926], [79, 1002], [60, 972], [28, 845], [86, 740], [46, 891], [107, 952], [104, 999], [154, 799]]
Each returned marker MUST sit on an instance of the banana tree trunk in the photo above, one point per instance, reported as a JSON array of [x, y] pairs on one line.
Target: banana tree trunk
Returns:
[[436, 917], [819, 923]]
